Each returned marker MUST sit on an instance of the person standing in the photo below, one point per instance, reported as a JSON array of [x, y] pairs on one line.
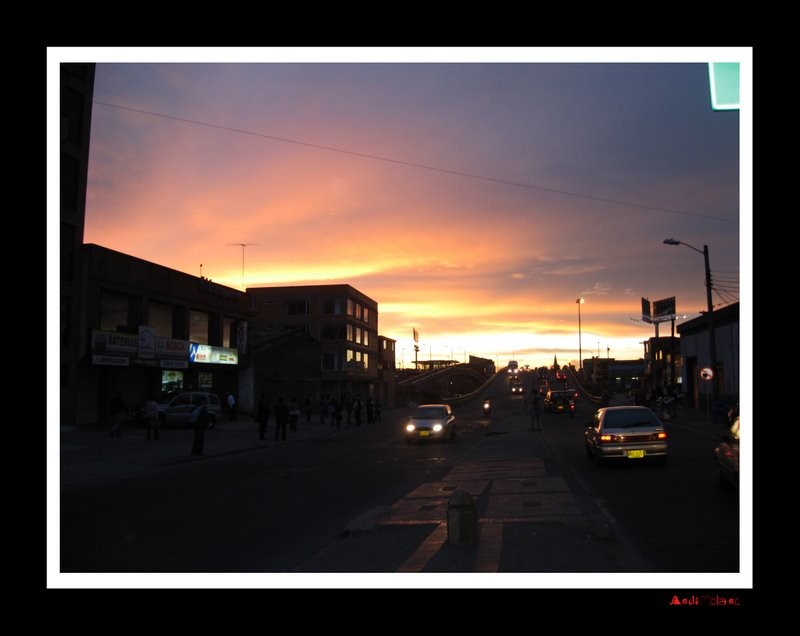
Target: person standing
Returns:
[[294, 414], [281, 419], [151, 418], [262, 416], [117, 408], [536, 407], [231, 405], [199, 425]]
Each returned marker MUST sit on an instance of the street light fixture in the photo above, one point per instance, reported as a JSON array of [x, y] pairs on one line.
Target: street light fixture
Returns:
[[580, 350], [712, 342]]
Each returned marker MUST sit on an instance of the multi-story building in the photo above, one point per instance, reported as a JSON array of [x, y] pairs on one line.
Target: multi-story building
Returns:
[[341, 318], [146, 329], [77, 88]]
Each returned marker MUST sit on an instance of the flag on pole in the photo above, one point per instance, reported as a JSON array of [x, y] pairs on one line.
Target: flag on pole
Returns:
[[416, 334]]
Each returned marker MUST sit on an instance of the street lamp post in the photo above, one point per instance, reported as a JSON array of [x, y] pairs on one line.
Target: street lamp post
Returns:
[[712, 341], [579, 301]]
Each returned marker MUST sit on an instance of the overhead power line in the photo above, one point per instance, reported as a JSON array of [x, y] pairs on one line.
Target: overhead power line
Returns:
[[416, 165]]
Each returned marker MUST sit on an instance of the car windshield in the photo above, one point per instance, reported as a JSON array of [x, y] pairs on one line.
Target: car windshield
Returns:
[[559, 395], [629, 419], [428, 413]]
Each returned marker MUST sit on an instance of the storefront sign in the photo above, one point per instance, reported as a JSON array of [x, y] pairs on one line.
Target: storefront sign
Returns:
[[203, 354], [172, 348], [114, 342], [147, 342], [111, 361], [174, 364]]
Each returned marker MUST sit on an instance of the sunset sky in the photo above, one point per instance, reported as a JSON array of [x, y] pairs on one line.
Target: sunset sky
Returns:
[[474, 195]]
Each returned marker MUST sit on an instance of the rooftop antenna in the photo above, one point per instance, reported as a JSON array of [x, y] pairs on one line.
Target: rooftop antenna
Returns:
[[242, 245]]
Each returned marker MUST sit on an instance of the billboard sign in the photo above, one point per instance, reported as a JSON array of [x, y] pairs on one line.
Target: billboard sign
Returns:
[[664, 309], [646, 315]]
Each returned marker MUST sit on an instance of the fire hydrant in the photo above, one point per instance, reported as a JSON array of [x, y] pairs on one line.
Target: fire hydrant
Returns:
[[462, 519]]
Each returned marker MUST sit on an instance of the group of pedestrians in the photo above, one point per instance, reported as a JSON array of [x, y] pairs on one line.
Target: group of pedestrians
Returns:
[[333, 411]]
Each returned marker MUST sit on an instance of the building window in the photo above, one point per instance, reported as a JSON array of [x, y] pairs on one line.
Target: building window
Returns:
[[332, 307], [198, 326], [70, 169], [71, 114], [365, 360], [358, 311], [365, 342], [350, 307], [333, 332], [349, 333], [228, 332], [160, 318], [366, 315], [296, 308], [329, 361], [358, 335], [113, 310], [67, 251]]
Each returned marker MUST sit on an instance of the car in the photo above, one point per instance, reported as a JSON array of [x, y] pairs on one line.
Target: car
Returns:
[[625, 433], [515, 385], [179, 409], [726, 454], [431, 421], [572, 394], [556, 402], [561, 375]]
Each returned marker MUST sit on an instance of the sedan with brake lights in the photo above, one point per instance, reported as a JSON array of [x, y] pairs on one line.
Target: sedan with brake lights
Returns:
[[625, 433]]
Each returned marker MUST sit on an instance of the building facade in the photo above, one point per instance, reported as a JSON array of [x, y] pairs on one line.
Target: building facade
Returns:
[[77, 88], [696, 352], [341, 318], [148, 330]]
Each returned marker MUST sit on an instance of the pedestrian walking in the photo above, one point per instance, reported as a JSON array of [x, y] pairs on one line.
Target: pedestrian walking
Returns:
[[151, 418], [534, 402], [116, 409], [377, 410], [231, 401], [348, 405], [294, 414], [357, 410], [370, 411], [281, 419], [262, 416], [199, 419], [323, 409]]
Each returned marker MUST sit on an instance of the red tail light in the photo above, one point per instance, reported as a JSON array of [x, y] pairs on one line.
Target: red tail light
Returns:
[[606, 438], [661, 435]]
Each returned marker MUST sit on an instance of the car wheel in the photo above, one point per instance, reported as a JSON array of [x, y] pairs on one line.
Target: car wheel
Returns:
[[453, 433]]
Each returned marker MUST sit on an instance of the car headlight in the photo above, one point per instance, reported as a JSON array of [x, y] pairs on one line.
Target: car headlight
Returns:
[[410, 428], [437, 428]]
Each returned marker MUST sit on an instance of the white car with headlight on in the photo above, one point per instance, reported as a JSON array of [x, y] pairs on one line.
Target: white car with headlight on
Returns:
[[430, 421]]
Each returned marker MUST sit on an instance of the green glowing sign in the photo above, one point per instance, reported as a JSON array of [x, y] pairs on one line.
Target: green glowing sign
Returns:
[[723, 78]]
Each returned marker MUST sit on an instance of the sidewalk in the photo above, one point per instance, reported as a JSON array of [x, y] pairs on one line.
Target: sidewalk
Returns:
[[90, 455]]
